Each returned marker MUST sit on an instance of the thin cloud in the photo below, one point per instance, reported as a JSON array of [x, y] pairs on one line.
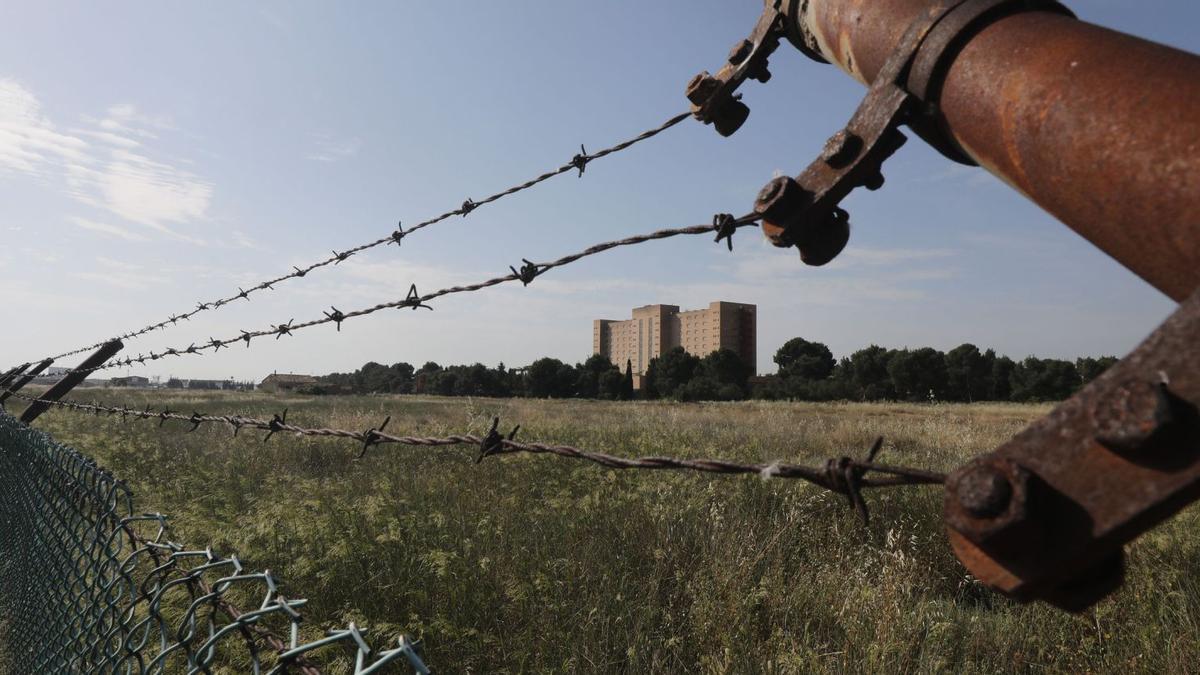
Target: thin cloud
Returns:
[[107, 228], [29, 143]]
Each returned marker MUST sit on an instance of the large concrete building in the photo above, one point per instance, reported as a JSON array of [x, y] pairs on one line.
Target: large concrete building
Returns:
[[655, 329]]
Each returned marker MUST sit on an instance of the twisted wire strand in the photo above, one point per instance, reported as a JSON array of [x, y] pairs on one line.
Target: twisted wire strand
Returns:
[[723, 225], [577, 163], [843, 475]]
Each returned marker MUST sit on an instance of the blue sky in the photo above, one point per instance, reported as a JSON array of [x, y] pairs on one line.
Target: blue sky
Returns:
[[153, 154]]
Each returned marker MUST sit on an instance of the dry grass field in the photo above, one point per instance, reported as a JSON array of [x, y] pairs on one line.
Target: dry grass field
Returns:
[[542, 564]]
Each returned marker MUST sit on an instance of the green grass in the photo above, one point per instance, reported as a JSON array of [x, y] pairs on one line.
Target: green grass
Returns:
[[542, 564]]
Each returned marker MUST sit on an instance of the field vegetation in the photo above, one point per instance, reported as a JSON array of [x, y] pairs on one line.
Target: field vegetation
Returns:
[[542, 564]]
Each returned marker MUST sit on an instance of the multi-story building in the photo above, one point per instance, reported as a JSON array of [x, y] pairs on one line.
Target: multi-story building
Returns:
[[655, 329]]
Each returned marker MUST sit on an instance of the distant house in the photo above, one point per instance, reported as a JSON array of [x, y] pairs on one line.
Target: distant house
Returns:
[[136, 381], [277, 382]]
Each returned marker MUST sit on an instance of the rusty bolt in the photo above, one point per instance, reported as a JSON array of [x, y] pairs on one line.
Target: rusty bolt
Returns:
[[730, 117], [818, 246], [701, 88], [740, 52], [779, 199], [989, 502], [841, 148], [984, 492], [1130, 414]]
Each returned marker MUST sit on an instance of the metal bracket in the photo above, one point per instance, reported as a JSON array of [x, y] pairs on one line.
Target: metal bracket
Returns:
[[26, 376], [12, 373], [804, 212], [712, 96], [1045, 515]]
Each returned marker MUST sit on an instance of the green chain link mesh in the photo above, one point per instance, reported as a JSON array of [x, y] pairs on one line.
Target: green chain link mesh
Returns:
[[88, 586]]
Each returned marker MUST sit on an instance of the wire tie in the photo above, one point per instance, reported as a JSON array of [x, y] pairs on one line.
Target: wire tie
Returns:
[[493, 442], [528, 273], [725, 225], [581, 160], [372, 437], [275, 424], [336, 316]]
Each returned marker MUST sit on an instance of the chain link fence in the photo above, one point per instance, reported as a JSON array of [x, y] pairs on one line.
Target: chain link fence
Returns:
[[87, 585]]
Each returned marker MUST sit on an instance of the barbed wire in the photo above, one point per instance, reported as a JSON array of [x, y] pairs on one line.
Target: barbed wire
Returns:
[[89, 585], [723, 224], [578, 162], [843, 475]]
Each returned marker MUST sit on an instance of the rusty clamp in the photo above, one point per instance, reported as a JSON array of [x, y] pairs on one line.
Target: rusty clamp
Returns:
[[1045, 515], [804, 211], [713, 97]]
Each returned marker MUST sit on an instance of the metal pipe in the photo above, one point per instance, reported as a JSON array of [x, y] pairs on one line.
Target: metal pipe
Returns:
[[1099, 128], [71, 379]]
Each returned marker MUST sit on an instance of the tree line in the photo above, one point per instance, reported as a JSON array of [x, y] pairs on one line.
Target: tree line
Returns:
[[807, 371]]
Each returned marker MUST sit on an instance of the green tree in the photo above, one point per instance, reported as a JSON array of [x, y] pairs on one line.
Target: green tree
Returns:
[[918, 373], [627, 381], [968, 373], [675, 369], [867, 372], [807, 360], [550, 378], [1037, 379], [1090, 368], [1002, 371], [726, 369]]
